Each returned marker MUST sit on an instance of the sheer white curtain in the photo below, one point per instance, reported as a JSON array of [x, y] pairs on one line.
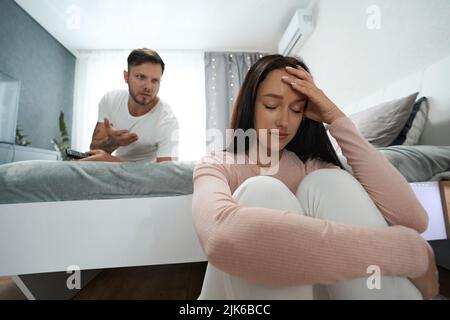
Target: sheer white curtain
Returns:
[[182, 86], [96, 73]]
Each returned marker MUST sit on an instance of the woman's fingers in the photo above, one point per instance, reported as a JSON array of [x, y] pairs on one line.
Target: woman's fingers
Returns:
[[297, 81], [299, 72], [302, 86], [307, 91]]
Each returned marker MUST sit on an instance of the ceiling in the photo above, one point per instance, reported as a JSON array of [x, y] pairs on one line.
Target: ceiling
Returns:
[[209, 25]]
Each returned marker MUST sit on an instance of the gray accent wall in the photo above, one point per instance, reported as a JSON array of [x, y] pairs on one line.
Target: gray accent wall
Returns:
[[46, 70]]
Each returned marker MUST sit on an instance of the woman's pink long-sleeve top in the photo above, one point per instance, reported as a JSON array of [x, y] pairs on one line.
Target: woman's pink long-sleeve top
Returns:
[[281, 248]]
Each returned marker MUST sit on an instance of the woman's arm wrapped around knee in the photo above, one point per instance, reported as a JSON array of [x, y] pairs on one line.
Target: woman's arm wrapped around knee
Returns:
[[281, 248], [386, 186]]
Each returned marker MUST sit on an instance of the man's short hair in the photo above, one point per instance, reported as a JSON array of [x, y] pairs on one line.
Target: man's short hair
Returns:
[[144, 55]]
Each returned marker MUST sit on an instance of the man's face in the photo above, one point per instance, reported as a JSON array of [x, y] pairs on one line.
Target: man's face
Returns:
[[143, 82]]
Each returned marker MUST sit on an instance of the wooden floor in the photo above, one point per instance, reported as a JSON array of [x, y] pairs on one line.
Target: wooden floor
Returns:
[[444, 282], [177, 281], [9, 290], [182, 281]]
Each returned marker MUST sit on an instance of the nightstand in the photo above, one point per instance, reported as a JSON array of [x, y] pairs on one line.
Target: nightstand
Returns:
[[13, 153]]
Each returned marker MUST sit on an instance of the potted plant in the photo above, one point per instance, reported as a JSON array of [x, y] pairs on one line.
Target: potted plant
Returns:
[[63, 143], [21, 138]]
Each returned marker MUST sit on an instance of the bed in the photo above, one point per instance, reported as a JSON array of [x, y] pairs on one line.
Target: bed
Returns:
[[54, 215], [45, 227]]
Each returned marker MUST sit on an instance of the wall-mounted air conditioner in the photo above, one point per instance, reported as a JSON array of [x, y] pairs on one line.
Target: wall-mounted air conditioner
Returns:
[[298, 30]]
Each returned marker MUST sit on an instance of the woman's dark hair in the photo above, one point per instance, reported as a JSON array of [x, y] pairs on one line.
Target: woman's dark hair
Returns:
[[141, 56], [311, 140]]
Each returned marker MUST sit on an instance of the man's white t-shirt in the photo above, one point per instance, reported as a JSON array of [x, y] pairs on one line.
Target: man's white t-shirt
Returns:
[[157, 130]]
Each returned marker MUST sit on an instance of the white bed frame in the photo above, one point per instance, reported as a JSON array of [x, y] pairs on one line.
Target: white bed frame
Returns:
[[44, 238]]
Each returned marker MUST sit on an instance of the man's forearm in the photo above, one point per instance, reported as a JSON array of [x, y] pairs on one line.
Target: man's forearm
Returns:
[[107, 144]]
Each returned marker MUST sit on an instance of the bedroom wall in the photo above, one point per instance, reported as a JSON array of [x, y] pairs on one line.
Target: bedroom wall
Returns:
[[432, 82], [46, 70], [357, 49]]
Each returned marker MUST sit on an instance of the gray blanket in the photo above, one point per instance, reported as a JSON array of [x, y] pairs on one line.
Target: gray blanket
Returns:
[[419, 163], [40, 181]]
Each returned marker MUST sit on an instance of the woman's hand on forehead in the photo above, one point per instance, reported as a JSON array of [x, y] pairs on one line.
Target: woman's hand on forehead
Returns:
[[320, 107]]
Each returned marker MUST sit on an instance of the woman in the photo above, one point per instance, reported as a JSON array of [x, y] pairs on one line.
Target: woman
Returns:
[[310, 230]]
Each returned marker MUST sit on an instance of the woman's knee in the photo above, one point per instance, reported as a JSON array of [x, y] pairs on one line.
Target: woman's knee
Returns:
[[336, 182], [263, 184], [334, 194], [327, 178], [266, 192]]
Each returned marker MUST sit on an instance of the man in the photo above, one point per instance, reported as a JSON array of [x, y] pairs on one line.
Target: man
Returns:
[[137, 125]]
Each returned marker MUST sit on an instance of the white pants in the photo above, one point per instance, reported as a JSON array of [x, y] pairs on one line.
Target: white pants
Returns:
[[329, 194]]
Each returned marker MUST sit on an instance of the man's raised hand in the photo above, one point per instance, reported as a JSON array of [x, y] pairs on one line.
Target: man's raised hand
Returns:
[[119, 137]]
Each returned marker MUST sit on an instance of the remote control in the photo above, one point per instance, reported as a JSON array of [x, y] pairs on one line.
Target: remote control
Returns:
[[76, 155]]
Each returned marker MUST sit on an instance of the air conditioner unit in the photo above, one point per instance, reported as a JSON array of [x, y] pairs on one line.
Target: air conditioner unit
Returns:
[[298, 30]]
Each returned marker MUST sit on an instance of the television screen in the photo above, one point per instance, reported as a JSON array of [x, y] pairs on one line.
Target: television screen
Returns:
[[9, 105]]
